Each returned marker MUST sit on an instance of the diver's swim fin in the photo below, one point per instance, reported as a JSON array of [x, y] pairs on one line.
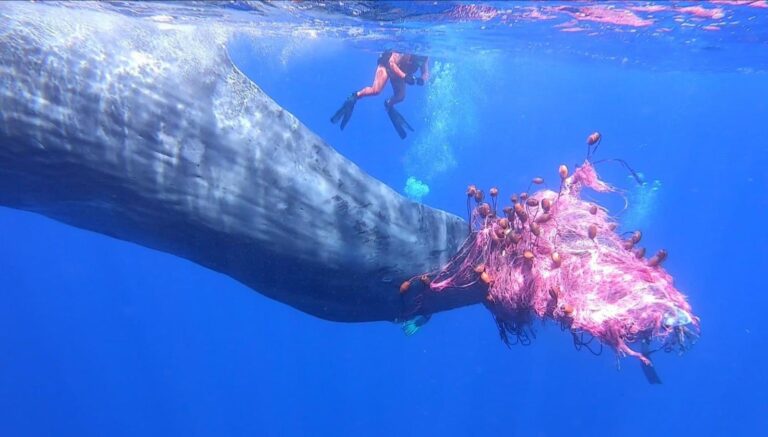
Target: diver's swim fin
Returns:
[[398, 121], [650, 374], [649, 370], [345, 112], [412, 326]]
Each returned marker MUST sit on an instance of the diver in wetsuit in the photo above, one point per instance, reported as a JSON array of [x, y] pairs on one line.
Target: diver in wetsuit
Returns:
[[399, 68]]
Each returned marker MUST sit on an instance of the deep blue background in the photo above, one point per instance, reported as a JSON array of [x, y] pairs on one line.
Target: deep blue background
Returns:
[[102, 337]]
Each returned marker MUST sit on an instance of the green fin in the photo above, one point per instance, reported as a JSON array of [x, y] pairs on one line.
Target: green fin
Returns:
[[413, 325]]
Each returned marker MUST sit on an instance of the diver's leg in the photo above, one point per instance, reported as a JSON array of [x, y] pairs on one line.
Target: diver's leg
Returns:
[[345, 112], [398, 90], [622, 347], [379, 80]]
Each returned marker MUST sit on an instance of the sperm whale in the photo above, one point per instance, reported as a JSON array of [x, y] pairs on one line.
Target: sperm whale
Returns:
[[150, 134]]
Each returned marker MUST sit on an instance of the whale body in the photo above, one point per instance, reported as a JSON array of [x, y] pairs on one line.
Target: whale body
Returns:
[[148, 133]]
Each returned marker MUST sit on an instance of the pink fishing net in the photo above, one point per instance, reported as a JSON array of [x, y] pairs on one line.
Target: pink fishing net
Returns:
[[553, 255]]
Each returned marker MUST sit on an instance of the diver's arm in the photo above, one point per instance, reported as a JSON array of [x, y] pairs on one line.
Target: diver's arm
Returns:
[[425, 70], [394, 67]]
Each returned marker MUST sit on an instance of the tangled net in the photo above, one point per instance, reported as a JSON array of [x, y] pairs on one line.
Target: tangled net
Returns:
[[552, 255]]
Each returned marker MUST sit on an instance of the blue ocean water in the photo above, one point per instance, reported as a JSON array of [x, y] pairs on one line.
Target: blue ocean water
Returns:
[[103, 337]]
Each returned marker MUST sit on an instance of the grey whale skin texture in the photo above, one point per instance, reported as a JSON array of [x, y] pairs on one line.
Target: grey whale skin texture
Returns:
[[109, 124]]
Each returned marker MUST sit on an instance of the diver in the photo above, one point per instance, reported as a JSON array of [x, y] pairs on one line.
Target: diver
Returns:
[[400, 69]]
